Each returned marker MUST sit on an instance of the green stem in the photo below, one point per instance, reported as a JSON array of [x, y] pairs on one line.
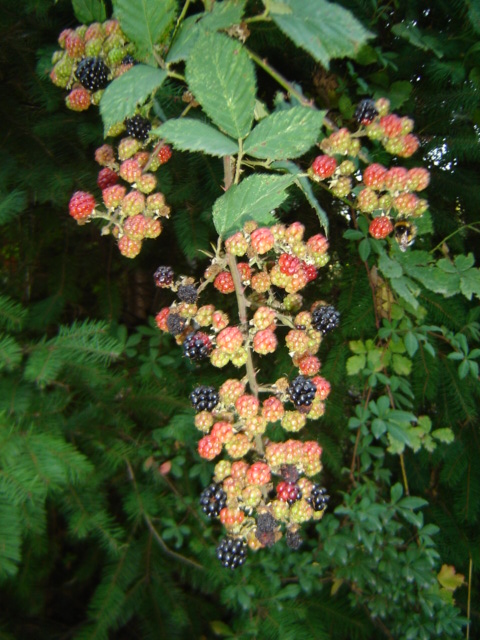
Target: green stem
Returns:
[[180, 18], [454, 233], [239, 162], [283, 82]]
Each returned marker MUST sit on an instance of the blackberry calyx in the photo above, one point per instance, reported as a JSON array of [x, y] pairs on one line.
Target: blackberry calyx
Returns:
[[163, 277], [232, 552], [92, 73], [175, 324], [302, 391], [138, 127], [325, 318], [318, 498], [197, 346], [266, 523], [366, 112], [289, 473], [294, 539], [204, 398], [187, 293], [213, 499]]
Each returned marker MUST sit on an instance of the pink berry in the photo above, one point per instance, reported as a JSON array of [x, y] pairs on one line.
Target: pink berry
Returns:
[[288, 264], [374, 176], [258, 473], [128, 247], [265, 342], [230, 339], [209, 448], [113, 196], [81, 205], [324, 166], [106, 178], [262, 240], [380, 227], [78, 99], [224, 282]]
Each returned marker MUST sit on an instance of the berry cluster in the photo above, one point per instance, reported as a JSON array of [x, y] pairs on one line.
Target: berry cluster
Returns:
[[260, 487], [386, 195], [89, 58], [131, 206]]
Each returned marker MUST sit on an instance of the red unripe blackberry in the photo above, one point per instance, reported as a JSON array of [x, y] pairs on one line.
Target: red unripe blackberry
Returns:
[[224, 282], [164, 154], [310, 271], [92, 73], [232, 552], [374, 176], [74, 45], [106, 178], [380, 227], [81, 205], [187, 293], [391, 125], [258, 473], [138, 127], [302, 391], [325, 318], [209, 448], [197, 346], [289, 264], [163, 277], [128, 247], [324, 166], [213, 499], [204, 398], [288, 492], [78, 99], [262, 240], [366, 112], [318, 498]]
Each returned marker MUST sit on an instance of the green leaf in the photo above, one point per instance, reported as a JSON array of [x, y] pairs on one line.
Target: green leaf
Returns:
[[145, 21], [355, 364], [185, 39], [87, 11], [449, 578], [444, 435], [223, 15], [10, 353], [304, 184], [411, 343], [401, 365], [364, 249], [390, 268], [412, 502], [187, 134], [470, 283], [398, 93], [378, 427], [323, 29], [222, 78], [396, 492], [406, 289], [254, 198], [417, 38], [122, 96], [285, 134]]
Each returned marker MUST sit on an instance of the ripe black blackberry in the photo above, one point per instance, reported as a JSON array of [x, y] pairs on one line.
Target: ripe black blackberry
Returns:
[[138, 127], [129, 59], [204, 398], [325, 318], [163, 277], [232, 552], [302, 391], [366, 112], [92, 73], [213, 499], [294, 539], [187, 293], [318, 498], [197, 346], [175, 324]]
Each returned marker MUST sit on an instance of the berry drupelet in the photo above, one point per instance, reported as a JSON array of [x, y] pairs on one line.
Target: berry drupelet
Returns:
[[366, 112], [204, 398], [288, 492], [92, 73], [197, 346], [213, 499], [325, 318], [232, 552], [318, 498], [163, 277], [138, 127], [302, 391]]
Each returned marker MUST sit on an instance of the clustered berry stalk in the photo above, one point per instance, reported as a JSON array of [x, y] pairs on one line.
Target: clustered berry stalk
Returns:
[[265, 483]]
